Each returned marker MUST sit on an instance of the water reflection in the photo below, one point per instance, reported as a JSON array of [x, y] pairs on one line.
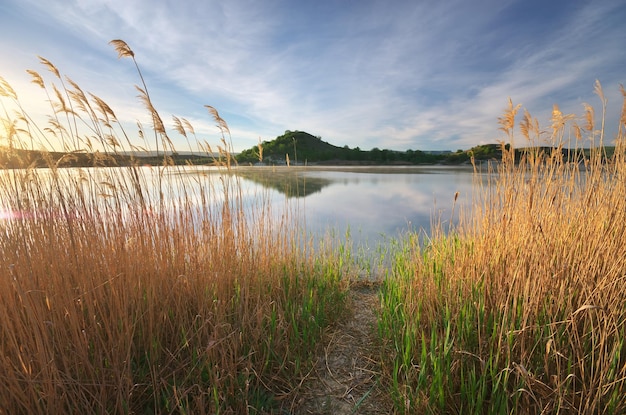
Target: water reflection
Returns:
[[373, 203], [290, 182]]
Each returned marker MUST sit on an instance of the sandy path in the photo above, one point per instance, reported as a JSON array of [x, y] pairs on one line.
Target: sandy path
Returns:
[[345, 379]]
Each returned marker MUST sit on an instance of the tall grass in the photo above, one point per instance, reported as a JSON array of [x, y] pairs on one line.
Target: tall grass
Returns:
[[522, 308], [145, 289]]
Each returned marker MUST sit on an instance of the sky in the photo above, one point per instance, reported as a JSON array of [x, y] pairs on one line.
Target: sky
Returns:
[[391, 74]]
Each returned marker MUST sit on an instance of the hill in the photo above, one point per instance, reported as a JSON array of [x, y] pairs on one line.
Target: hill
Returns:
[[300, 147], [296, 145]]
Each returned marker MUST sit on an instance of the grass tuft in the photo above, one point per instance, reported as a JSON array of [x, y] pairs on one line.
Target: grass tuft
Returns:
[[139, 289], [521, 308]]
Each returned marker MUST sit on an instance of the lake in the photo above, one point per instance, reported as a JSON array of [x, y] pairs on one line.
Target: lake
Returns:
[[373, 203]]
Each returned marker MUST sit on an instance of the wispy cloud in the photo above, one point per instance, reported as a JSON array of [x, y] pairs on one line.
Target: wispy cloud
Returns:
[[425, 75]]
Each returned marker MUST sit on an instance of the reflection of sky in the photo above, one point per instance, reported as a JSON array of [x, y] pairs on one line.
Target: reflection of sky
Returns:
[[377, 206], [373, 206], [385, 204]]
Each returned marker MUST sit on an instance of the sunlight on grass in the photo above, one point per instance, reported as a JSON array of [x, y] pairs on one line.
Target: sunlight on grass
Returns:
[[521, 309], [165, 289], [146, 289]]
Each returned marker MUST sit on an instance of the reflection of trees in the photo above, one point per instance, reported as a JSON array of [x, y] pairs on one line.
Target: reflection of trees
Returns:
[[290, 183]]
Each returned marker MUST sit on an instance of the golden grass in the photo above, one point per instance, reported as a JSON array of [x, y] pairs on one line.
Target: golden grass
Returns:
[[521, 309], [152, 290], [146, 289]]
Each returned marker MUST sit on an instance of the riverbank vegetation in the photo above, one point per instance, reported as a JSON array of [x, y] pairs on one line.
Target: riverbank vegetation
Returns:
[[144, 289], [521, 309]]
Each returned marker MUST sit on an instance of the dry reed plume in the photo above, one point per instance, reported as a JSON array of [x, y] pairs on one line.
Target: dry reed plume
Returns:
[[521, 309], [144, 289]]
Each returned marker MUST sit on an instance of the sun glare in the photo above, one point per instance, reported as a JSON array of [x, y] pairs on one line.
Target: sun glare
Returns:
[[4, 214], [7, 214]]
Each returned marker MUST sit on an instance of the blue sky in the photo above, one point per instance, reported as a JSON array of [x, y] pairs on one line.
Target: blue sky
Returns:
[[422, 74]]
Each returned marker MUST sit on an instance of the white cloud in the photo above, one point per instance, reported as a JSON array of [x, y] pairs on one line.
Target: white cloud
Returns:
[[425, 75]]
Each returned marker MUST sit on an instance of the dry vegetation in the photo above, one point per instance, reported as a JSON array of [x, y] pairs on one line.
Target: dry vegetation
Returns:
[[522, 309], [146, 290], [150, 290]]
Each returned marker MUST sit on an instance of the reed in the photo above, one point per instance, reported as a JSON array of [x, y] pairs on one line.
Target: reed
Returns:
[[521, 308], [138, 289]]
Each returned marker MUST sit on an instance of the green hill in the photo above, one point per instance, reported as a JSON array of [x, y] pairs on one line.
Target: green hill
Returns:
[[299, 146], [302, 147]]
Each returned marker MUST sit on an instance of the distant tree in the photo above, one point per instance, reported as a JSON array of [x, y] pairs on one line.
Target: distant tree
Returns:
[[457, 158], [375, 154]]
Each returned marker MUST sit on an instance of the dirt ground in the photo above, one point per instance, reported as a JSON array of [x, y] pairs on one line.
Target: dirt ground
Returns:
[[346, 377]]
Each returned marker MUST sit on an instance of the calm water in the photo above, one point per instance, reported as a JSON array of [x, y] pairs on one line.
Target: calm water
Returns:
[[372, 203]]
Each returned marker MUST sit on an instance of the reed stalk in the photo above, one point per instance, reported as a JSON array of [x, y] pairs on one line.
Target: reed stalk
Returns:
[[135, 289], [521, 308]]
